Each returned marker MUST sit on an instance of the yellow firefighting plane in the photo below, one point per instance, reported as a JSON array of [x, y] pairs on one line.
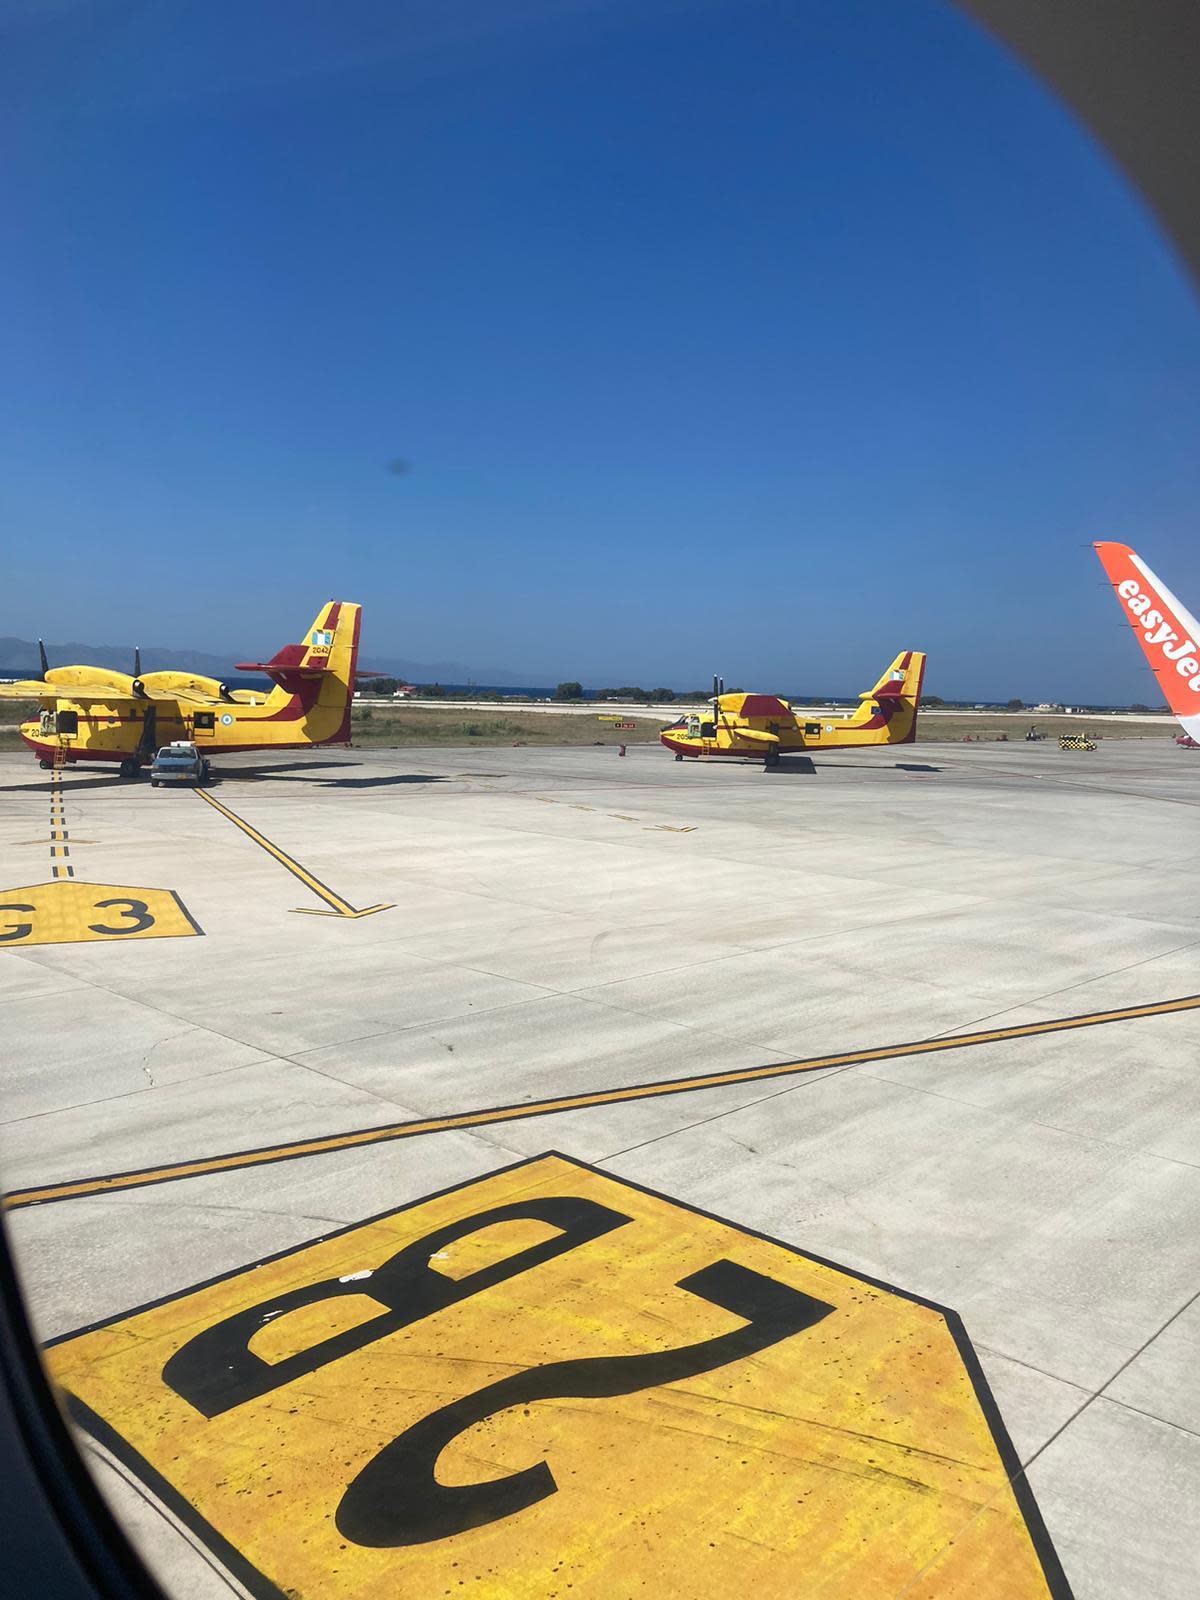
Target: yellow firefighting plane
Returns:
[[763, 727], [93, 714]]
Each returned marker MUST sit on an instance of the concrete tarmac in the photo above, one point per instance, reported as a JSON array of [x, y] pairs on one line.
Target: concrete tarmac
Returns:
[[564, 923]]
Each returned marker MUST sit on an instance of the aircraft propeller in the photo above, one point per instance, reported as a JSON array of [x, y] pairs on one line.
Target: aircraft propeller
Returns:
[[42, 655]]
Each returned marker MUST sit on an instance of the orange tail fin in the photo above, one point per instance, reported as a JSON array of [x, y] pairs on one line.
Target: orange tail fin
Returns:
[[1164, 627]]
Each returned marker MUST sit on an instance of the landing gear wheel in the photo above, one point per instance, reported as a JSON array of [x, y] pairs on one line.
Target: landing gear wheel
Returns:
[[677, 757], [771, 759], [46, 766], [130, 769]]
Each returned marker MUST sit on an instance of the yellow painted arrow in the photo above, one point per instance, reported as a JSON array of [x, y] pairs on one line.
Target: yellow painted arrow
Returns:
[[341, 908], [338, 907]]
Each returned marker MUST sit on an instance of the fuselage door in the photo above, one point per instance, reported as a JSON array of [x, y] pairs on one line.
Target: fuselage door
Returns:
[[146, 745]]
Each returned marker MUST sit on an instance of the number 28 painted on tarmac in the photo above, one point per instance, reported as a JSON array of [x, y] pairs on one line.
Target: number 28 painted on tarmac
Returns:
[[70, 912], [551, 1380], [396, 1499]]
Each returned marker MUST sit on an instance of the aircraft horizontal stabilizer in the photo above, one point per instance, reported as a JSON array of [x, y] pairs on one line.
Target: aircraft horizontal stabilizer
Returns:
[[278, 669]]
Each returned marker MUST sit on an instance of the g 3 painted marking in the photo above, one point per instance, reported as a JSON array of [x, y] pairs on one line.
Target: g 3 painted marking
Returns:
[[69, 912], [551, 1381], [136, 910], [15, 931]]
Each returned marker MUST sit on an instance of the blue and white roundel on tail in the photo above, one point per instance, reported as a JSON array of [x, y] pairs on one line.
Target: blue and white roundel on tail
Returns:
[[1166, 630]]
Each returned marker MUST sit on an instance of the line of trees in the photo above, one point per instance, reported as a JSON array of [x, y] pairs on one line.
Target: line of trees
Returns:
[[574, 691], [427, 691]]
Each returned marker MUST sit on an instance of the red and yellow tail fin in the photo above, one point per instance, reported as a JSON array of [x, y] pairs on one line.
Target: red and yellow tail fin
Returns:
[[314, 680], [330, 646], [902, 680], [1166, 630], [893, 703]]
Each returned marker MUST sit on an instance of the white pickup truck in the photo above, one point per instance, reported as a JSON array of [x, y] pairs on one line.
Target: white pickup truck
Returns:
[[178, 763]]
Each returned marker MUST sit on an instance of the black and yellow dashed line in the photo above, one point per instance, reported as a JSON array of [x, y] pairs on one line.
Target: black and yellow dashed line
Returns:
[[293, 1149], [60, 849]]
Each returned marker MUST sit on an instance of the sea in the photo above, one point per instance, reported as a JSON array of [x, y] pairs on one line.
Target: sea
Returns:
[[546, 692]]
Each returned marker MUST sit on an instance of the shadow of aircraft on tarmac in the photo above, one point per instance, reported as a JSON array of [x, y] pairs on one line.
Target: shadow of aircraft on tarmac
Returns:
[[282, 775], [285, 772], [805, 766], [280, 766], [75, 785]]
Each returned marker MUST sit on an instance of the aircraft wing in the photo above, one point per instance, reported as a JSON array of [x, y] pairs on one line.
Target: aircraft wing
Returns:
[[100, 693], [82, 694], [183, 697]]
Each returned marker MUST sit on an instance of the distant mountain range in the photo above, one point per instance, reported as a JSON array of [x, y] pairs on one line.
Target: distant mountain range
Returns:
[[19, 656]]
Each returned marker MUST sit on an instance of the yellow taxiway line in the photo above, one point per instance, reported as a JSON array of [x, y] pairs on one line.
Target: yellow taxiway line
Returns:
[[339, 907], [82, 1188]]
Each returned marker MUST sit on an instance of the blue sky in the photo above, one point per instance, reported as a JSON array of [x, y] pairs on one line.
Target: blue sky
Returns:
[[759, 337]]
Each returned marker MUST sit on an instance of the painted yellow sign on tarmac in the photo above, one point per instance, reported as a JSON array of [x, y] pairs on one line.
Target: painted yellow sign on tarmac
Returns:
[[68, 912], [549, 1382]]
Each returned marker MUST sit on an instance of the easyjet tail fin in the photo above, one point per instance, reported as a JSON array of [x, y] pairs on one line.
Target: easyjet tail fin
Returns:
[[1166, 630]]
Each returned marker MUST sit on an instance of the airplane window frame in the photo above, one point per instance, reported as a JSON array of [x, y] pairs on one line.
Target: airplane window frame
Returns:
[[1132, 99]]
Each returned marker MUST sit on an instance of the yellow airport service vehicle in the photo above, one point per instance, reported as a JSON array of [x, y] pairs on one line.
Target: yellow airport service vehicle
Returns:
[[94, 714], [1075, 741], [764, 727]]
